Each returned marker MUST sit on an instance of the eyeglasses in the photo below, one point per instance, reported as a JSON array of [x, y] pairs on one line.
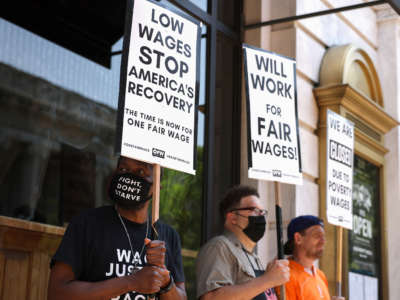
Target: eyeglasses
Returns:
[[255, 210]]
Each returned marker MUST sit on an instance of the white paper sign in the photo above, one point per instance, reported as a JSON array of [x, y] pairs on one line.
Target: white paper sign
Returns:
[[273, 136], [356, 286], [158, 103], [363, 287], [371, 288], [339, 179]]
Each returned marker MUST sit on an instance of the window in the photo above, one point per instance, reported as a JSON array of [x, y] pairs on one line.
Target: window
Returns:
[[58, 115], [364, 239]]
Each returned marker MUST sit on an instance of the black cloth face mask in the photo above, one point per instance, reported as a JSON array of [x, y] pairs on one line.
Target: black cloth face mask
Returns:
[[129, 190], [256, 228]]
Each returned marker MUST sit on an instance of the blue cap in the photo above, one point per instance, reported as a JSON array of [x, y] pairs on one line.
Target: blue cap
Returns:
[[298, 224]]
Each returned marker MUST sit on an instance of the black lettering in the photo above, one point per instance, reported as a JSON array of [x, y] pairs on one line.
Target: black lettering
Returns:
[[170, 42], [131, 87], [190, 92], [188, 50], [287, 91], [144, 31], [174, 68], [270, 88], [158, 39], [286, 132], [159, 55], [132, 71], [145, 51], [260, 122], [257, 82], [262, 63], [280, 89]]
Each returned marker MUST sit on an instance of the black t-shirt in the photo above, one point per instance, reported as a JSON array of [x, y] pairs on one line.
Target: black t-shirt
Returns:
[[95, 245]]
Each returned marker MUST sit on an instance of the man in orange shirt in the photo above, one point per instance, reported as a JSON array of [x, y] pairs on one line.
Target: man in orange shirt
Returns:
[[306, 241]]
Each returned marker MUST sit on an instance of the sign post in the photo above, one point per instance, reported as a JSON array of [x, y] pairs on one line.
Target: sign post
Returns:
[[158, 98], [155, 208], [272, 124], [339, 181]]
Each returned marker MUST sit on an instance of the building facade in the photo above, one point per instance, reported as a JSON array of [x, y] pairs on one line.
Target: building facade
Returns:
[[59, 81], [346, 62]]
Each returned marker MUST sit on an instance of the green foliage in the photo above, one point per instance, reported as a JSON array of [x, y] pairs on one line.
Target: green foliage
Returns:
[[180, 202], [181, 207]]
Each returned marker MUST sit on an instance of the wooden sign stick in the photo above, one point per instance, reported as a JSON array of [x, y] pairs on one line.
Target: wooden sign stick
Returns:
[[339, 258], [279, 235], [155, 207]]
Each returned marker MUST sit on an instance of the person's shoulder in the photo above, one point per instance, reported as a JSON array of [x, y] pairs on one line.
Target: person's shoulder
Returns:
[[216, 249], [164, 227], [166, 232], [321, 274], [93, 214], [217, 242], [296, 270]]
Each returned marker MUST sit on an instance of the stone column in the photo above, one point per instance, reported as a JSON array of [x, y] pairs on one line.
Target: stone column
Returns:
[[389, 72]]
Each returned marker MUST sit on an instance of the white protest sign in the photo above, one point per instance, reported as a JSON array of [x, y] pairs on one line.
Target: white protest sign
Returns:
[[157, 119], [339, 176], [273, 135]]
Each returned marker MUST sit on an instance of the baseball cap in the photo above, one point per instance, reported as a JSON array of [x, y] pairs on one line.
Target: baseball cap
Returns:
[[296, 225]]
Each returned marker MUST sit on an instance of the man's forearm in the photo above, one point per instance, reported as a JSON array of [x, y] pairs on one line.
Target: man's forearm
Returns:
[[82, 290], [177, 292], [244, 291]]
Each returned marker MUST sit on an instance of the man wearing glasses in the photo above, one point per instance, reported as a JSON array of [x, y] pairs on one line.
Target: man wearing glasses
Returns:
[[227, 266]]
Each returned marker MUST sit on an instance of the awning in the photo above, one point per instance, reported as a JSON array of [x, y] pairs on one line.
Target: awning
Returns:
[[86, 27]]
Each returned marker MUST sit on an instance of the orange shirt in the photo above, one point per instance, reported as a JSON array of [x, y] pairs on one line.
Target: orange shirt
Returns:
[[304, 286]]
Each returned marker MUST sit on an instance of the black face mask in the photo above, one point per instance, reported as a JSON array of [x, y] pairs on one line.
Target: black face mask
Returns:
[[256, 228], [129, 190]]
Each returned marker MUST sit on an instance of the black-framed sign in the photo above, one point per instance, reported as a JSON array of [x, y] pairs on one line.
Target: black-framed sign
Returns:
[[272, 119], [339, 170], [157, 108], [364, 239]]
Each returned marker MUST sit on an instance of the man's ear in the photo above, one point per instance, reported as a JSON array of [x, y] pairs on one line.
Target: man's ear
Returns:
[[298, 238], [231, 217]]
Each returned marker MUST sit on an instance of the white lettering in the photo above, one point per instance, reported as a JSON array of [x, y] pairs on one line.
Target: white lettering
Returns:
[[124, 255], [109, 273], [362, 227]]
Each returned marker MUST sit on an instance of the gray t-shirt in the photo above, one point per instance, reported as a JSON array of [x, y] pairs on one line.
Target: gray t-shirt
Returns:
[[223, 261]]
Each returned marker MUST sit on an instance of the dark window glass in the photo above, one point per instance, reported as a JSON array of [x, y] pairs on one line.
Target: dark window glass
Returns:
[[57, 132], [58, 65], [229, 13], [56, 150], [203, 4], [227, 126], [364, 239]]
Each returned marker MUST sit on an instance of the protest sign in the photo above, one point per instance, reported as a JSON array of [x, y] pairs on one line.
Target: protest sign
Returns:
[[157, 109], [339, 177], [273, 134]]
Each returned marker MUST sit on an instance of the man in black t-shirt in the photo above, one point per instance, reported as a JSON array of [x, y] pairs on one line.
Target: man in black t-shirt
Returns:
[[107, 252]]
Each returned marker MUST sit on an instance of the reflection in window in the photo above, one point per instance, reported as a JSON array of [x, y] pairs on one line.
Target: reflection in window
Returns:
[[59, 65], [200, 3], [180, 202], [56, 149]]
